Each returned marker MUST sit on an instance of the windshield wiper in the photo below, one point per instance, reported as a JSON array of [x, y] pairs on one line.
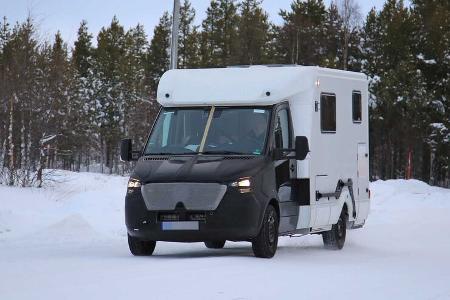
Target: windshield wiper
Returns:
[[222, 152]]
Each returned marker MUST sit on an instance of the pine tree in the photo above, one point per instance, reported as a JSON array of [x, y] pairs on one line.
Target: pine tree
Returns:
[[275, 53], [219, 42], [432, 51], [228, 21], [139, 108], [210, 36], [5, 34], [302, 34], [19, 51], [333, 57], [253, 33], [158, 53], [110, 100], [83, 98], [59, 80], [82, 53], [188, 41], [349, 11], [397, 88]]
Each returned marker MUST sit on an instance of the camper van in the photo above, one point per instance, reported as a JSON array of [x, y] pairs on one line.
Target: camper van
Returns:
[[250, 154]]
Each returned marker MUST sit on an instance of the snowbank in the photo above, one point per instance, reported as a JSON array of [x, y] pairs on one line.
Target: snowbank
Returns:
[[70, 199], [68, 241]]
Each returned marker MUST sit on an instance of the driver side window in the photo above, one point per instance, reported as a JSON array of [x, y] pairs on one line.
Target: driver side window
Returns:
[[281, 130]]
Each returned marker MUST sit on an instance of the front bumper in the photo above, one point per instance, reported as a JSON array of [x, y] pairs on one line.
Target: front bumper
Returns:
[[237, 218]]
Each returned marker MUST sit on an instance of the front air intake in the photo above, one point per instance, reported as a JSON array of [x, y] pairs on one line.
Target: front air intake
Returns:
[[193, 195]]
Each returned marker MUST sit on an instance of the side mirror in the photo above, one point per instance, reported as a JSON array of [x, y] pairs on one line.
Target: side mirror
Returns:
[[126, 150], [301, 147]]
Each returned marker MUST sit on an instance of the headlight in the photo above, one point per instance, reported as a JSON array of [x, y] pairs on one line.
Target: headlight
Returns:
[[243, 184], [134, 183]]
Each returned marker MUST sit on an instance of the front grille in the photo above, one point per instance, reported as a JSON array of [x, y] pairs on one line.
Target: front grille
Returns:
[[190, 195]]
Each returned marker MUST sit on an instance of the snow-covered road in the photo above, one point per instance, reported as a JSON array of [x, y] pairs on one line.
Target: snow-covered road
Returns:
[[69, 242]]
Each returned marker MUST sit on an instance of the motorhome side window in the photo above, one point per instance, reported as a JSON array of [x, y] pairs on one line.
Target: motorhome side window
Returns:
[[328, 113], [281, 129], [357, 107]]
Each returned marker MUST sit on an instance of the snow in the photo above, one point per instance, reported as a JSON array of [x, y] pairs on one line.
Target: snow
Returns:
[[48, 138], [426, 61], [68, 241], [430, 61]]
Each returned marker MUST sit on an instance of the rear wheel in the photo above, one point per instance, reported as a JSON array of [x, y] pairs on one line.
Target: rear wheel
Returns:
[[139, 247], [265, 244], [214, 244], [335, 238]]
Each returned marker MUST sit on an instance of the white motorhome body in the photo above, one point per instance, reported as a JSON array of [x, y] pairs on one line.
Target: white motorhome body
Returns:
[[312, 185], [336, 155]]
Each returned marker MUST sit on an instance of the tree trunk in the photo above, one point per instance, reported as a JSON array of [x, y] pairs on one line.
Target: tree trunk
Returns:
[[11, 143], [345, 52], [431, 182]]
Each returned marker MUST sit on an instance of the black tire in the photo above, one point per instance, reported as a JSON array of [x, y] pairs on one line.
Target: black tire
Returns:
[[265, 244], [139, 247], [214, 244], [335, 238]]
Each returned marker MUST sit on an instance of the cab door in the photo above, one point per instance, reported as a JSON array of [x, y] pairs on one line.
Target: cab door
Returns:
[[282, 137]]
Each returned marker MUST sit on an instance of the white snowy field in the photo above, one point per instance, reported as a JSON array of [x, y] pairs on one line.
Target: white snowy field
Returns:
[[68, 241]]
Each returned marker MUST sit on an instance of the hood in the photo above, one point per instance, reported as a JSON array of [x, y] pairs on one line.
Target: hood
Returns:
[[197, 168]]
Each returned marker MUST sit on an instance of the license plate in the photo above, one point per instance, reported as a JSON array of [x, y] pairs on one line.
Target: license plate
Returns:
[[181, 225]]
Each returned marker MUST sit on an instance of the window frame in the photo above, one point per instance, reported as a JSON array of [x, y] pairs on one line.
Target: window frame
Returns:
[[275, 108], [289, 125], [335, 112], [269, 129], [355, 92]]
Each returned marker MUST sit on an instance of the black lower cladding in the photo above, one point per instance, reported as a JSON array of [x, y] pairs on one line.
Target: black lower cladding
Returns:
[[237, 218]]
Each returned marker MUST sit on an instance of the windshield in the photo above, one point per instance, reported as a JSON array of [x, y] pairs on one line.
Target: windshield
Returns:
[[231, 130]]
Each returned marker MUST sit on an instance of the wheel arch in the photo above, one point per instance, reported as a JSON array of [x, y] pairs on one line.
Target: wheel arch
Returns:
[[343, 203], [275, 204]]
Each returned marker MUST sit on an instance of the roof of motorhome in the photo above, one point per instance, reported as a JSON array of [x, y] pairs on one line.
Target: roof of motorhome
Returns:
[[254, 85]]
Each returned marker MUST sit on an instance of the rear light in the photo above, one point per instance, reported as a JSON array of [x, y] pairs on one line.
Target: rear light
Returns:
[[369, 192]]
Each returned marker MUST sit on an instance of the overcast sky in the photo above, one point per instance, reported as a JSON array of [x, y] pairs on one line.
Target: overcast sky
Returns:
[[66, 15]]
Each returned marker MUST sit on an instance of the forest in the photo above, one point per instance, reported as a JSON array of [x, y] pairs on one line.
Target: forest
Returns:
[[68, 106]]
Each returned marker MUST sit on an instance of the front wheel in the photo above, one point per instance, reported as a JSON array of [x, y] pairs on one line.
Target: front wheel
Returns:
[[335, 238], [266, 242], [139, 247]]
